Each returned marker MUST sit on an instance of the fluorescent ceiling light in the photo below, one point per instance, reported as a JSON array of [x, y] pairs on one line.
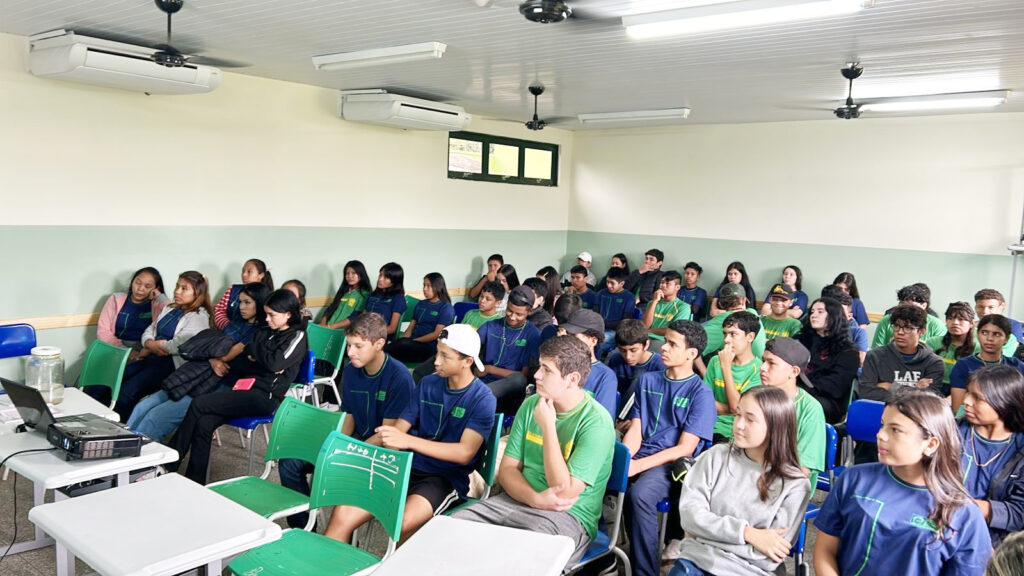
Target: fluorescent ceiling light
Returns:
[[379, 56], [636, 115], [735, 15], [959, 101]]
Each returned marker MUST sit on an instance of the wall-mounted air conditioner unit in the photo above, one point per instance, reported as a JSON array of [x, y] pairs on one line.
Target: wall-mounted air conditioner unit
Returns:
[[379, 107]]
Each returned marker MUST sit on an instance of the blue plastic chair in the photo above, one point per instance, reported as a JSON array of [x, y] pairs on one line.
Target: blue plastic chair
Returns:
[[462, 307], [605, 539], [17, 340], [250, 423], [638, 313], [826, 478], [797, 552], [863, 421]]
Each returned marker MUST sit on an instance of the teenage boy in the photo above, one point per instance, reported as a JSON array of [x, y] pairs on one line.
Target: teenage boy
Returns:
[[632, 360], [490, 295], [673, 412], [615, 304], [785, 361], [989, 301], [494, 262], [778, 322], [664, 308], [731, 299], [588, 327], [539, 317], [692, 294], [735, 368], [913, 295], [858, 335], [647, 278], [444, 425], [558, 457], [377, 389], [578, 286], [507, 347], [585, 260]]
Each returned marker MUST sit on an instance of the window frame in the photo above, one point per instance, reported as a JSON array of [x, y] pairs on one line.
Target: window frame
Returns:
[[522, 145]]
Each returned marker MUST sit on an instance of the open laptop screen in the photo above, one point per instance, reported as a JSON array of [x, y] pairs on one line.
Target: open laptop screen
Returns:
[[30, 405]]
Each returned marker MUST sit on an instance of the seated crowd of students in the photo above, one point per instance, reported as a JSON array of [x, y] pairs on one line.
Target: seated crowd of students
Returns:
[[579, 366]]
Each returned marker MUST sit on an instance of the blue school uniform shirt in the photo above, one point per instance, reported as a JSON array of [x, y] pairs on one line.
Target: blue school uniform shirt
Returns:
[[370, 398], [965, 366], [859, 336], [240, 331], [589, 299], [1017, 329], [617, 306], [977, 450], [133, 319], [859, 314], [667, 408], [626, 374], [386, 305], [505, 347], [440, 414], [883, 528], [429, 314], [167, 325], [697, 298], [602, 384], [234, 314]]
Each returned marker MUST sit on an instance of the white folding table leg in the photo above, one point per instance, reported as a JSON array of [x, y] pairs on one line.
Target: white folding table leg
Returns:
[[65, 561], [214, 568], [41, 540]]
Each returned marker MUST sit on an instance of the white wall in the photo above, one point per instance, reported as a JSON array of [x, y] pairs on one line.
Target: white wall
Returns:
[[944, 183], [72, 153]]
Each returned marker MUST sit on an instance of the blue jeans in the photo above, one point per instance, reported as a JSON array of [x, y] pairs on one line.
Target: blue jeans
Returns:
[[157, 415], [684, 567], [293, 475], [645, 491]]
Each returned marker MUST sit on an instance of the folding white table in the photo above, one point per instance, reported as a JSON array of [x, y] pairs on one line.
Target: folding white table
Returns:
[[481, 549], [75, 402], [158, 527]]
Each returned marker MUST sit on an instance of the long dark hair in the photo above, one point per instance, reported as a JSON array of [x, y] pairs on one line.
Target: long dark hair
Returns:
[[850, 282], [509, 272], [799, 275], [259, 293], [780, 457], [158, 280], [624, 260], [363, 284], [943, 474], [301, 289], [745, 281], [550, 277], [284, 301], [837, 330], [261, 267], [964, 311], [1003, 388], [393, 272], [437, 283], [201, 288]]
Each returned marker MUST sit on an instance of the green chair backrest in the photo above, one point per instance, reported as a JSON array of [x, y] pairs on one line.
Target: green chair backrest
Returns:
[[104, 366], [488, 464], [358, 474], [326, 344], [299, 429], [410, 307]]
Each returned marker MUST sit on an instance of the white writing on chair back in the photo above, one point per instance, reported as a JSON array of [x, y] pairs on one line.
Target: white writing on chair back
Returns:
[[367, 459]]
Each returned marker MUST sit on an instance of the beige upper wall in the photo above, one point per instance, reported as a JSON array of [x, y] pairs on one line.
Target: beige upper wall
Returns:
[[254, 152], [944, 183]]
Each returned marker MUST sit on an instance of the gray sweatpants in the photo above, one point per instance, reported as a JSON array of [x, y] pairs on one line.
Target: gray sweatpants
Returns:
[[503, 510]]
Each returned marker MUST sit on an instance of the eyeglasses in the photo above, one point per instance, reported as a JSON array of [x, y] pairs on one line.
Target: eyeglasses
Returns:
[[903, 329]]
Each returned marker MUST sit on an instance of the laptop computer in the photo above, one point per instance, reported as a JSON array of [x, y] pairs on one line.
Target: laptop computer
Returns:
[[33, 408]]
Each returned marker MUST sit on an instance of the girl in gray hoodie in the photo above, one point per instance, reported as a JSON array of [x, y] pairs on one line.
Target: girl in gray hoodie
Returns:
[[743, 503]]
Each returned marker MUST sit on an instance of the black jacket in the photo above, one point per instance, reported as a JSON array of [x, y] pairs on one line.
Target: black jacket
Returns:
[[196, 376], [832, 375], [273, 359], [644, 285]]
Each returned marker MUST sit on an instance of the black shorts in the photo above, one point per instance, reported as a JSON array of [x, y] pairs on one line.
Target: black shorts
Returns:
[[436, 489]]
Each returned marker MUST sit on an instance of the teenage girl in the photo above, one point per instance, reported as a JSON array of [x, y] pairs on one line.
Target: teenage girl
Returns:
[[908, 513], [958, 341], [388, 300], [794, 278], [848, 283], [735, 273], [126, 315], [296, 287], [350, 298], [994, 331], [429, 318], [743, 503], [554, 287], [509, 280], [619, 260], [254, 270], [186, 317]]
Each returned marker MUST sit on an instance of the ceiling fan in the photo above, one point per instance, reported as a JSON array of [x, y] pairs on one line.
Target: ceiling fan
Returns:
[[850, 110], [168, 55], [545, 11], [536, 123]]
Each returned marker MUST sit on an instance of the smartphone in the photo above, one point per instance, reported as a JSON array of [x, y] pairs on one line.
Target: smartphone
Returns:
[[244, 384]]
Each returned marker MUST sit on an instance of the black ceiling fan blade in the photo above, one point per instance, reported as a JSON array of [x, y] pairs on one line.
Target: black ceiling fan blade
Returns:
[[217, 62]]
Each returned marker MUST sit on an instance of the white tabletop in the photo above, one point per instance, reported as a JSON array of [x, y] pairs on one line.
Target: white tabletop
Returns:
[[482, 549], [50, 470], [75, 402], [157, 527]]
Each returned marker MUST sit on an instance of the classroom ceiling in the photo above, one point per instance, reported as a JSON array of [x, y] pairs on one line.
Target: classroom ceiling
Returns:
[[589, 65]]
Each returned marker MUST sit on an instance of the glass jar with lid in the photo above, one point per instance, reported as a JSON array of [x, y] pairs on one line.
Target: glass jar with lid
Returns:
[[44, 371]]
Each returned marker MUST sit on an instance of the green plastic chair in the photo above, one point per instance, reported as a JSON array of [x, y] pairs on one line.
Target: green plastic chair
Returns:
[[329, 346], [487, 465], [348, 472], [410, 307], [298, 431], [104, 366]]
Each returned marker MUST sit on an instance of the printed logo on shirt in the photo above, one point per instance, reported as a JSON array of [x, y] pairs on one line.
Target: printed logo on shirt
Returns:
[[145, 315], [908, 377], [351, 301], [521, 342], [681, 401], [381, 395], [534, 438], [458, 412], [918, 521]]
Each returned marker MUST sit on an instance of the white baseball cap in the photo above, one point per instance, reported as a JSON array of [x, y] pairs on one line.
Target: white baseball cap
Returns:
[[585, 256], [464, 339]]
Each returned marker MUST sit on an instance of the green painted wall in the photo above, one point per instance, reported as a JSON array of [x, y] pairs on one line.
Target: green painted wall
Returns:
[[52, 270]]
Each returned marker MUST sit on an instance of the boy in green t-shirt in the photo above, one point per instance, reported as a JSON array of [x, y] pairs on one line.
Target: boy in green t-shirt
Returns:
[[738, 331], [914, 295], [731, 298], [778, 322], [490, 295], [784, 361], [559, 454], [664, 307]]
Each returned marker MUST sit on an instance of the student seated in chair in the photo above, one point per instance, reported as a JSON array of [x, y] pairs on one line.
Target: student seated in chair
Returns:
[[913, 295], [487, 303], [578, 285], [559, 454], [664, 307], [507, 347], [777, 321], [377, 390], [731, 299], [588, 327], [539, 315], [672, 413], [735, 368], [445, 424], [632, 360], [645, 280], [614, 304]]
